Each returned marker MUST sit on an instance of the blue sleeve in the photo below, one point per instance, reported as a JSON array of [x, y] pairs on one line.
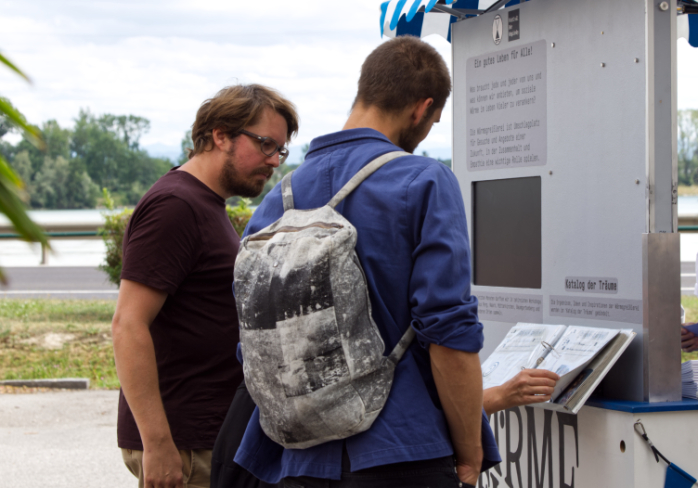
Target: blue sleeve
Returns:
[[269, 211], [443, 310]]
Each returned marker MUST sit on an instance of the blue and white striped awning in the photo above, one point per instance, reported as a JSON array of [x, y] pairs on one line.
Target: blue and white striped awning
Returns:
[[423, 18]]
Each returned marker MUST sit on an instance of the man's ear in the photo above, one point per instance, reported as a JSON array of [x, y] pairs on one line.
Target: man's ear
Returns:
[[420, 110], [220, 139]]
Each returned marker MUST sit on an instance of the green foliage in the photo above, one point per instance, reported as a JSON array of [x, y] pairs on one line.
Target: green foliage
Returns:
[[186, 144], [76, 360], [56, 311], [108, 148], [99, 152], [688, 146], [11, 186], [239, 215], [113, 235]]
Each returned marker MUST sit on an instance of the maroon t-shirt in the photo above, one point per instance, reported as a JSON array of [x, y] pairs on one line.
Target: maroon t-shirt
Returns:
[[180, 241]]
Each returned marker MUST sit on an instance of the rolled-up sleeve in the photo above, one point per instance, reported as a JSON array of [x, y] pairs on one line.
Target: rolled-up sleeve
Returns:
[[443, 310]]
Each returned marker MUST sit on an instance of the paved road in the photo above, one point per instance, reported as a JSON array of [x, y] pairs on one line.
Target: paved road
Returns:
[[61, 440], [91, 283], [58, 282]]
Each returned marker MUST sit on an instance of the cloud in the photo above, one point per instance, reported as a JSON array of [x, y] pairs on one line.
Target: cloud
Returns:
[[160, 60]]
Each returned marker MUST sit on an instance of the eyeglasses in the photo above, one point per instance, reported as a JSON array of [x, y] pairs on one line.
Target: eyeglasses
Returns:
[[269, 146]]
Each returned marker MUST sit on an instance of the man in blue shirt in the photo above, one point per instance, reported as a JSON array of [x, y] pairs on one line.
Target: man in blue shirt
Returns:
[[413, 246]]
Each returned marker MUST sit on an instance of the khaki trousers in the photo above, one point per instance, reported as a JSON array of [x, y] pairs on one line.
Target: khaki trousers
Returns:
[[196, 467]]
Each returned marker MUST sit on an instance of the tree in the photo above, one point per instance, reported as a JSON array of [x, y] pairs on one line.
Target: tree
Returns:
[[688, 146], [186, 145], [63, 184], [107, 147]]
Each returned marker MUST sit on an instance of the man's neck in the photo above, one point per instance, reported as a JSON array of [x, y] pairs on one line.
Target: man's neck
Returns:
[[362, 117], [205, 167]]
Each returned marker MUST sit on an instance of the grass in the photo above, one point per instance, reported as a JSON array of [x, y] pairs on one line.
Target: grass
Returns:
[[688, 191], [72, 338], [57, 339]]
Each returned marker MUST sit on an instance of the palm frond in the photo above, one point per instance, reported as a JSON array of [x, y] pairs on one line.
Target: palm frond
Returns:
[[12, 206], [14, 68], [16, 118]]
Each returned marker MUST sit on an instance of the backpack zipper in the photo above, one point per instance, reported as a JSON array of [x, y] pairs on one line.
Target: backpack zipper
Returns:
[[287, 229]]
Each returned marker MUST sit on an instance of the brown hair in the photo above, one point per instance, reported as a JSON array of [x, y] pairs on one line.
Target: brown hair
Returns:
[[401, 72], [236, 107]]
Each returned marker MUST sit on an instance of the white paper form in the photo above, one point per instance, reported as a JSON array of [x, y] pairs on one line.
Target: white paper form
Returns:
[[573, 352], [520, 349]]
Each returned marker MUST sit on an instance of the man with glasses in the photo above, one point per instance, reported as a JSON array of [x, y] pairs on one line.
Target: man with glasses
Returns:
[[175, 326]]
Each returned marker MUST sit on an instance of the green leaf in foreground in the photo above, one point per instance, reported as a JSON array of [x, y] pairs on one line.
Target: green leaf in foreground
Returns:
[[11, 65], [13, 207], [33, 133]]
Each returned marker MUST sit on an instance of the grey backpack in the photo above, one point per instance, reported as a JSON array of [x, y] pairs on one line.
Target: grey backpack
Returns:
[[313, 356]]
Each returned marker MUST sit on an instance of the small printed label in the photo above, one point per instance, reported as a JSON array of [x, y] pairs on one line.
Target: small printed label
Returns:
[[577, 284], [606, 309], [514, 32], [510, 307]]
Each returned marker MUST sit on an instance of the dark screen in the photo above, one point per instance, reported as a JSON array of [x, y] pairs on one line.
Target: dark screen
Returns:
[[507, 232]]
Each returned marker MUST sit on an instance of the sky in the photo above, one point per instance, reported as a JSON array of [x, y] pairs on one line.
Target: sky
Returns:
[[161, 59]]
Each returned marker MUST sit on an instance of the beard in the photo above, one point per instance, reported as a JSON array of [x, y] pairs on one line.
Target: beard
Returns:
[[410, 138], [236, 185]]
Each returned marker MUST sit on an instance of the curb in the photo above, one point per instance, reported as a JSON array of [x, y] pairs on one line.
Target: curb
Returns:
[[65, 383]]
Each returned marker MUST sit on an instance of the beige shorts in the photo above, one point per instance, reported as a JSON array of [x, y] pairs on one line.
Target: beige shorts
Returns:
[[196, 466]]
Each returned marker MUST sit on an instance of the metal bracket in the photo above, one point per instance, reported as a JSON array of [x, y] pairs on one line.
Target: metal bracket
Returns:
[[461, 13], [496, 5]]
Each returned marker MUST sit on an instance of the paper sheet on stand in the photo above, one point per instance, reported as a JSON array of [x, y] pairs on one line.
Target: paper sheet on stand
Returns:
[[520, 349], [574, 351]]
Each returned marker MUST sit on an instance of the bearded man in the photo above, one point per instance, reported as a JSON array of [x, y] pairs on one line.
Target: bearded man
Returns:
[[175, 326]]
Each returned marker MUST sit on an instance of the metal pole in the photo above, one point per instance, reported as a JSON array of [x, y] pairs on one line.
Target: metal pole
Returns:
[[660, 246]]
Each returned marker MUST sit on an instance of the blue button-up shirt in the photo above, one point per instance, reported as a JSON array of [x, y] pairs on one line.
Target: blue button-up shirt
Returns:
[[413, 246]]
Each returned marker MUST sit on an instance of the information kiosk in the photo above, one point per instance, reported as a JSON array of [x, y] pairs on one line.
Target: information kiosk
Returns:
[[564, 144]]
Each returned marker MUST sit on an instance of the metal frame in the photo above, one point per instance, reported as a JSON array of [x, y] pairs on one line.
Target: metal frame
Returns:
[[461, 13], [661, 334], [662, 166], [651, 369], [660, 247], [496, 6]]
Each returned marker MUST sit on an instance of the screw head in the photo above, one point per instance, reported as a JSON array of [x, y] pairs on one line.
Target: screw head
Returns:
[[637, 60], [664, 6], [637, 182], [550, 173], [603, 65], [552, 44]]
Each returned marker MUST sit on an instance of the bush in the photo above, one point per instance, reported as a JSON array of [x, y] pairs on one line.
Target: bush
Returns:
[[113, 235], [239, 215], [115, 227]]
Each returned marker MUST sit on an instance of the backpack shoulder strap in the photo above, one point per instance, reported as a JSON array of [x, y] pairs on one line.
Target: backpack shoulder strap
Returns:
[[363, 173], [287, 192], [402, 345]]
